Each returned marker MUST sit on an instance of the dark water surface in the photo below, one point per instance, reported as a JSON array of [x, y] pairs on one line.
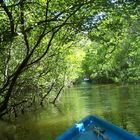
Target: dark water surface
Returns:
[[117, 104]]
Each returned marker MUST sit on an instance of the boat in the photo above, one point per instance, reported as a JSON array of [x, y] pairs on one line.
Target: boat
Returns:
[[94, 128]]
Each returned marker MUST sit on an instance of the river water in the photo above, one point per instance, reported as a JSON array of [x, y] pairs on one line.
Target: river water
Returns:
[[119, 104]]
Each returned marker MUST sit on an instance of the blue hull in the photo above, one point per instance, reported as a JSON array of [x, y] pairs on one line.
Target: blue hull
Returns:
[[94, 128]]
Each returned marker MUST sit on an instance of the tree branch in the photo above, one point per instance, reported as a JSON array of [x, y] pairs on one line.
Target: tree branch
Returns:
[[23, 27], [53, 34], [56, 17], [49, 91], [9, 14]]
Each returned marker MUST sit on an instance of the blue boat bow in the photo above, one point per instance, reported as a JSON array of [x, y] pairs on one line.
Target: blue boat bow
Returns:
[[94, 128]]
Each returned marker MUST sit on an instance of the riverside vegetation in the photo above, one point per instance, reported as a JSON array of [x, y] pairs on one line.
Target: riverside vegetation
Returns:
[[47, 45]]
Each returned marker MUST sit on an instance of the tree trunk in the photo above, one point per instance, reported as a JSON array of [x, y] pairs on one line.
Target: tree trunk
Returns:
[[41, 103], [58, 94], [4, 104]]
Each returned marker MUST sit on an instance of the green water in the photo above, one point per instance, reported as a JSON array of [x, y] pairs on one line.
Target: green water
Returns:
[[117, 104]]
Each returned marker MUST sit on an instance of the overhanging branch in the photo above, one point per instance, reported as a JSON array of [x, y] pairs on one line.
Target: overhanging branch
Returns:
[[9, 14]]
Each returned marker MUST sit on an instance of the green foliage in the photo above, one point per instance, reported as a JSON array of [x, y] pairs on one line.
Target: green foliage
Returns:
[[43, 43], [114, 53]]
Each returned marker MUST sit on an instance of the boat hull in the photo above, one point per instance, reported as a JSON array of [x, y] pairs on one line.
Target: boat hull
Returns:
[[94, 128]]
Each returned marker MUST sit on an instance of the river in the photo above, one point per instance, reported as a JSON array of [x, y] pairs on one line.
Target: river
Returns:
[[119, 104]]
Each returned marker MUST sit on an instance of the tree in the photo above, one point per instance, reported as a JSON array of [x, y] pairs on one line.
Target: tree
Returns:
[[36, 36], [30, 28], [114, 47]]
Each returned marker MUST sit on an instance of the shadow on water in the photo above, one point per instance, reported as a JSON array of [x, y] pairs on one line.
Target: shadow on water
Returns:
[[117, 104]]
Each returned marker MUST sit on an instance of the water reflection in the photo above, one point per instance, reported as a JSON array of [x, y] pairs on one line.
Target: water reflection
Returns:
[[117, 104]]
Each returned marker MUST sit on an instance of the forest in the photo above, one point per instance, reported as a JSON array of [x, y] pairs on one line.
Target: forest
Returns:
[[48, 45]]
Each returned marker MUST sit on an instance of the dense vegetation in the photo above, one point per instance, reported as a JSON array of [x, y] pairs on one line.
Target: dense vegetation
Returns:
[[114, 53], [46, 45]]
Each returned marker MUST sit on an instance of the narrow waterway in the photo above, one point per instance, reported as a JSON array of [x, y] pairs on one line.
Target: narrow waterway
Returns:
[[119, 104]]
